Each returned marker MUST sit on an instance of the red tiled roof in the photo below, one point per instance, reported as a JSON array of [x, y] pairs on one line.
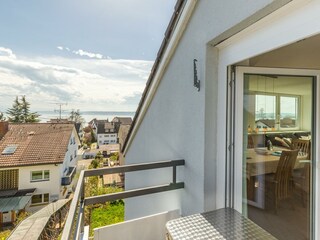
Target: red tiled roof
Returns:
[[123, 120], [37, 143]]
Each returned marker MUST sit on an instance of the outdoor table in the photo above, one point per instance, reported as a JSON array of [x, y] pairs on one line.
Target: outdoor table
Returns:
[[225, 223]]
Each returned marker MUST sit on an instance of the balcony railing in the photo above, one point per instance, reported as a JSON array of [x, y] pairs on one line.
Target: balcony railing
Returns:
[[68, 179], [74, 225]]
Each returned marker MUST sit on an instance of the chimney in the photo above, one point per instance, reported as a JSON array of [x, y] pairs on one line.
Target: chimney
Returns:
[[4, 128]]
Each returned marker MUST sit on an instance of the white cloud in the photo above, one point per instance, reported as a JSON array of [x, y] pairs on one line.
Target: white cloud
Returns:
[[84, 53], [86, 84], [6, 52], [88, 54]]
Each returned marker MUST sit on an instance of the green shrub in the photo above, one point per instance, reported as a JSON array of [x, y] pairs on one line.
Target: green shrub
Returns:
[[95, 163]]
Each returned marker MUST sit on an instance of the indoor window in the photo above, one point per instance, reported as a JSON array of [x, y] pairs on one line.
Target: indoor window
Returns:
[[276, 112], [288, 112], [265, 113]]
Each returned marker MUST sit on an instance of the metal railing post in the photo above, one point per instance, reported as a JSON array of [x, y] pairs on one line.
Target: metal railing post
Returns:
[[82, 206], [82, 194], [174, 176]]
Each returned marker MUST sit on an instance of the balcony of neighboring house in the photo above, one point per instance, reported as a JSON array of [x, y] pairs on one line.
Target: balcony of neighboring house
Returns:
[[68, 178]]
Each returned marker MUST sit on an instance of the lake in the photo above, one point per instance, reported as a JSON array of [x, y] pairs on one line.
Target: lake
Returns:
[[87, 115]]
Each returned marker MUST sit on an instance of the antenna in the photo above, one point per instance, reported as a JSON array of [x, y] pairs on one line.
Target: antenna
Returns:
[[60, 108]]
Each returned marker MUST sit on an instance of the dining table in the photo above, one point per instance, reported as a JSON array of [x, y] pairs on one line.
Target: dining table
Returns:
[[261, 161]]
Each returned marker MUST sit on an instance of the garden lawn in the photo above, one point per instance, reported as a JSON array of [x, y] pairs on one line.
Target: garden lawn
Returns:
[[106, 215]]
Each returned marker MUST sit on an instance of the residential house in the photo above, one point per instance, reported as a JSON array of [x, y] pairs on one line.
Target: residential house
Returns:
[[122, 136], [95, 124], [217, 59], [121, 121], [78, 125], [265, 124], [37, 165], [107, 133], [270, 124]]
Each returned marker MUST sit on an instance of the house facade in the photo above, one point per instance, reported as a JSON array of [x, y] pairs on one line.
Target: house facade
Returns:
[[122, 136], [37, 165], [107, 133], [221, 63]]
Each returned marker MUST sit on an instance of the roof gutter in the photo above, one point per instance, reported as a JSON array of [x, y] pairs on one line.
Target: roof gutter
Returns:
[[173, 34]]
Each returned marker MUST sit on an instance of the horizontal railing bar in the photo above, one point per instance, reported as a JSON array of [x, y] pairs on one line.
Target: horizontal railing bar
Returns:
[[132, 193], [133, 167], [73, 209]]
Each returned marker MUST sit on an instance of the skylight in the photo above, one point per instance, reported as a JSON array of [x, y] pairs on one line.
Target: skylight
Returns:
[[10, 149]]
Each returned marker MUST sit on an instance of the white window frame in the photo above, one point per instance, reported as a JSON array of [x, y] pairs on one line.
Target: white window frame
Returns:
[[278, 109], [238, 145], [42, 199], [43, 176], [300, 20]]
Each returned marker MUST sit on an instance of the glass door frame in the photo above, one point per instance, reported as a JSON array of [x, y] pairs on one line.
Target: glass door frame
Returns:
[[237, 131]]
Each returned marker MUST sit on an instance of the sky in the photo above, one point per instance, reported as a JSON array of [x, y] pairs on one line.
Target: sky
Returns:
[[89, 54]]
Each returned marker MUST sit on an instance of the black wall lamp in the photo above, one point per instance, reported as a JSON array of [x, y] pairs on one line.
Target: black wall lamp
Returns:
[[196, 80]]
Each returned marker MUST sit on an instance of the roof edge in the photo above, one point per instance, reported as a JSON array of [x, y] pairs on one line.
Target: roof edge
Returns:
[[263, 12], [181, 15], [30, 165]]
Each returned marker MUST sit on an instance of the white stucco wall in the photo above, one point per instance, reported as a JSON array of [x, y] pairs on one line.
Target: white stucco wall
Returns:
[[72, 151], [181, 122], [52, 186], [107, 138]]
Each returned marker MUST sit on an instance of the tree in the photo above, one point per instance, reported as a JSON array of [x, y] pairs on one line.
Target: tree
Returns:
[[75, 116], [26, 116], [25, 108], [15, 112], [20, 112], [2, 117]]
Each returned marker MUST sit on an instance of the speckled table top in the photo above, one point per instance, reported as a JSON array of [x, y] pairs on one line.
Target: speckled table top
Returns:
[[225, 223]]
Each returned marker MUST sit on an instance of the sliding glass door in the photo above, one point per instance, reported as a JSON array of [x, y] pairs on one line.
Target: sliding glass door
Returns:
[[274, 149]]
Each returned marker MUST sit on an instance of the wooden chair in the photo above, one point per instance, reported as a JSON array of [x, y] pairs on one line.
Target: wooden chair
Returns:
[[280, 183], [301, 177], [302, 145], [250, 142], [302, 182]]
